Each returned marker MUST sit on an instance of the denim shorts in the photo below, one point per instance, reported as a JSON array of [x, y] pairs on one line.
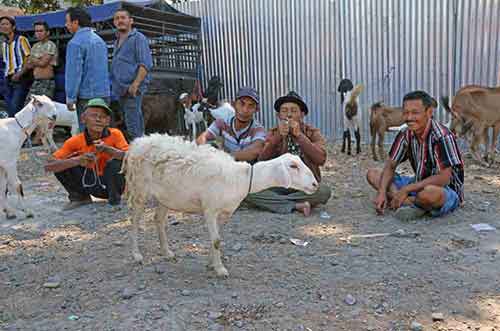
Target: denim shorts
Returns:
[[451, 203]]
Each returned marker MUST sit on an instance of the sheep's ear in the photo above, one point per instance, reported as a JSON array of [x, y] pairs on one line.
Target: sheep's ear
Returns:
[[36, 100], [294, 164]]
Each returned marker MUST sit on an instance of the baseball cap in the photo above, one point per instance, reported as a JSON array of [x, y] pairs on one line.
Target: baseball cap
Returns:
[[99, 103], [250, 92]]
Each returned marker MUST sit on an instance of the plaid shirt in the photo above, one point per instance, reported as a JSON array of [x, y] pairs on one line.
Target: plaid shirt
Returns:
[[438, 151]]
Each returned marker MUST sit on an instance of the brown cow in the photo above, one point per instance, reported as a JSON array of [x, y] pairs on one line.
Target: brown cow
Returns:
[[383, 117], [476, 108]]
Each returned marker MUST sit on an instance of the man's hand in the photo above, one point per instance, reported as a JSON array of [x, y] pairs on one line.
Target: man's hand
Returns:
[[87, 159], [132, 89], [380, 203], [399, 198], [16, 77], [294, 128], [284, 128], [101, 147]]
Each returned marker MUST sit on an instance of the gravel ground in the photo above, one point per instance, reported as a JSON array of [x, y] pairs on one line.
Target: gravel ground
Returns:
[[74, 271]]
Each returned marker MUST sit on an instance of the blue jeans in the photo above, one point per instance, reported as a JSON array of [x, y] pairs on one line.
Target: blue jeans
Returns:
[[15, 96], [451, 201], [131, 108]]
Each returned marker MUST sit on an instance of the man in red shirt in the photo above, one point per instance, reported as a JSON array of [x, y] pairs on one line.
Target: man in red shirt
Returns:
[[89, 163]]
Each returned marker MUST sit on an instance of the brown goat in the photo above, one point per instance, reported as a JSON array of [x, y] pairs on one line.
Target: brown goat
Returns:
[[383, 117], [475, 109]]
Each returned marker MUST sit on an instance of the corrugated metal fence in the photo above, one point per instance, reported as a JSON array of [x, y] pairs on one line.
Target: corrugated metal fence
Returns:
[[391, 46]]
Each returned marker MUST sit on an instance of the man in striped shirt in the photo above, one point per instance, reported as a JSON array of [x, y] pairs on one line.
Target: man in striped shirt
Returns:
[[243, 136], [15, 51], [437, 187]]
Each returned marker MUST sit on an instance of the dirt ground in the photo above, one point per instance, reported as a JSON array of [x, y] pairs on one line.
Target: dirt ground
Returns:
[[384, 283]]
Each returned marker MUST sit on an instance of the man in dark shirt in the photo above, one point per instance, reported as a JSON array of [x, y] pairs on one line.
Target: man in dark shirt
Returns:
[[437, 187], [292, 135]]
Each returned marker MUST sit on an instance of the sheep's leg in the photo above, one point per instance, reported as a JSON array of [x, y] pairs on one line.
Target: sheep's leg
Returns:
[[14, 184], [215, 243], [193, 124], [381, 146], [136, 217], [496, 131], [372, 144], [160, 214], [477, 139], [9, 212]]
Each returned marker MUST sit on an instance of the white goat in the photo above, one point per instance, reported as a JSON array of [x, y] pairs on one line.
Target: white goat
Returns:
[[200, 179], [193, 117], [39, 112]]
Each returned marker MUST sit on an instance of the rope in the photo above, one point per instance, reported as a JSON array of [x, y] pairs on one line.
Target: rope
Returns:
[[96, 180]]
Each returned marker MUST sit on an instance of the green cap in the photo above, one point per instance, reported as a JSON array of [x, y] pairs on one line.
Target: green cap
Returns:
[[100, 103]]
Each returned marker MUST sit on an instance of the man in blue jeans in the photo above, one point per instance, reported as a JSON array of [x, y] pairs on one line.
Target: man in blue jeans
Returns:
[[437, 187], [130, 69], [86, 75]]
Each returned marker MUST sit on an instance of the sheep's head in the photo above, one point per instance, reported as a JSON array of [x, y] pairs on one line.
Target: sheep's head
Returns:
[[45, 117], [296, 174]]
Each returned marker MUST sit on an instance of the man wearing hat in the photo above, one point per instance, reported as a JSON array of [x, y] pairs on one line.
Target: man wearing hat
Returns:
[[292, 135], [89, 163], [243, 136]]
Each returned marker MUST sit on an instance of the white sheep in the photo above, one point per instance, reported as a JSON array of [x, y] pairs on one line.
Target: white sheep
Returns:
[[200, 179], [39, 112]]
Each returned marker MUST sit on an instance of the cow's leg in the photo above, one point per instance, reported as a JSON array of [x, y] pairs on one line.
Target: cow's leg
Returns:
[[215, 244], [160, 215]]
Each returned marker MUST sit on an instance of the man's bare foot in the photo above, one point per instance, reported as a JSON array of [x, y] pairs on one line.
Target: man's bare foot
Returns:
[[304, 208]]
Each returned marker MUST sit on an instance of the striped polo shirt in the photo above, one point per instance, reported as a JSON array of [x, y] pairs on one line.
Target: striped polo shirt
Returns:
[[236, 140], [15, 53], [438, 151]]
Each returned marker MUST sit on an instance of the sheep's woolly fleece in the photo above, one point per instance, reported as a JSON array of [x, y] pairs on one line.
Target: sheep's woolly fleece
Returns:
[[178, 161]]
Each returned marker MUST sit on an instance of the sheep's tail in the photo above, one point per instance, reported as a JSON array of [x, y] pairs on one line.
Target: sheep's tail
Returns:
[[136, 186], [356, 91]]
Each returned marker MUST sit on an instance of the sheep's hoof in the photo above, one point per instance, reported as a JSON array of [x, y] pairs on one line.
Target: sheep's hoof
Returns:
[[169, 256], [222, 272], [138, 257]]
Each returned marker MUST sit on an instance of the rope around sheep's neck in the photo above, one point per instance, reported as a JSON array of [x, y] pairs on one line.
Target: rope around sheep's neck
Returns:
[[251, 178]]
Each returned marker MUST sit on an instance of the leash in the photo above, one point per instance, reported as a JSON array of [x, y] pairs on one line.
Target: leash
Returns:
[[251, 178], [29, 144]]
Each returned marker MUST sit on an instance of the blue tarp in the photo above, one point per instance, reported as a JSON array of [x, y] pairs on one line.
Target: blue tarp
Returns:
[[57, 19]]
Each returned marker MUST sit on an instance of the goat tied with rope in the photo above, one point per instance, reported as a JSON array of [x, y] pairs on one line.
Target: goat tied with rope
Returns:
[[185, 177], [39, 113]]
